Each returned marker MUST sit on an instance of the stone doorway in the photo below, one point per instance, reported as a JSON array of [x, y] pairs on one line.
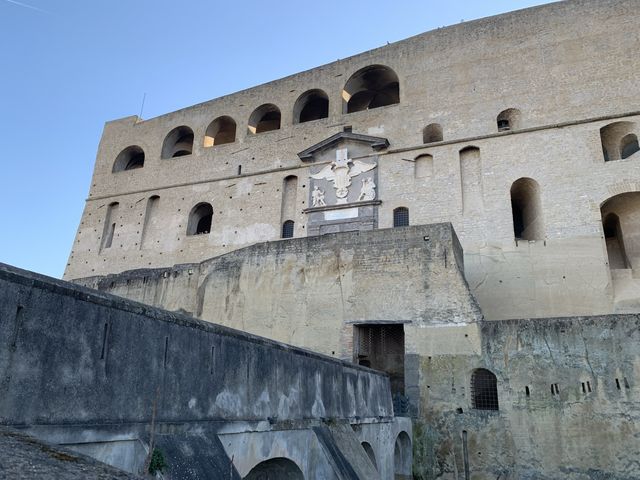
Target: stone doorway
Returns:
[[381, 347]]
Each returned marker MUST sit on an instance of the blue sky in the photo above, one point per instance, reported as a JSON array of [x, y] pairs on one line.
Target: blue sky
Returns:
[[70, 65]]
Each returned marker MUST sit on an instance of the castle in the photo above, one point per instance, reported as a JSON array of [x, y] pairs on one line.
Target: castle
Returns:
[[458, 209]]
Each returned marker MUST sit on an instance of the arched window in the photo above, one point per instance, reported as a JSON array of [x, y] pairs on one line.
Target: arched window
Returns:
[[311, 105], [275, 468], [618, 140], [508, 119], [484, 390], [629, 145], [287, 229], [526, 210], [432, 133], [370, 453], [402, 456], [222, 130], [371, 87], [129, 159], [401, 217], [110, 223], [264, 119], [178, 143], [200, 219]]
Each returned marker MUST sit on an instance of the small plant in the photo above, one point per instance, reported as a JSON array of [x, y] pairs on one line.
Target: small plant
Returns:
[[158, 463]]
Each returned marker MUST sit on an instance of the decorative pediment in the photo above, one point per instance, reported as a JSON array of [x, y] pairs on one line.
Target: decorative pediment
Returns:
[[376, 143]]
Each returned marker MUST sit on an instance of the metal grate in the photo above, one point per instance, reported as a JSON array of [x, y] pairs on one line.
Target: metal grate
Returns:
[[287, 229], [484, 390], [401, 217]]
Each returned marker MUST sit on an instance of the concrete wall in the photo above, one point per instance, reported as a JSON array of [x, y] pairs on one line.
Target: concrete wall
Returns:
[[569, 69], [99, 373]]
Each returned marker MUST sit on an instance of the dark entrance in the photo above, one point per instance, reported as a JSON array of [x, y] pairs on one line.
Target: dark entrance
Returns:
[[381, 347]]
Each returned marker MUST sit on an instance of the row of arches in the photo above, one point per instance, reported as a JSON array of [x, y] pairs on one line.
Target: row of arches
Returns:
[[284, 468], [370, 87]]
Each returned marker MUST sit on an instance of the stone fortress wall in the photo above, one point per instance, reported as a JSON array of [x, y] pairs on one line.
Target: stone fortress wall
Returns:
[[559, 74], [109, 378]]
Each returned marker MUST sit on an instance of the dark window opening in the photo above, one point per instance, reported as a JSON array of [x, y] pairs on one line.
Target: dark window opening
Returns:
[[381, 347], [508, 119], [129, 159], [372, 87], [526, 210], [311, 105], [614, 241], [287, 229], [628, 146], [264, 119], [432, 133], [401, 217], [484, 390], [618, 140], [200, 219], [178, 143], [526, 391]]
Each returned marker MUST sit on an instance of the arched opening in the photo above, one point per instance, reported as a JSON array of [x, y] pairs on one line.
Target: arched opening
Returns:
[[526, 210], [423, 166], [311, 105], [402, 457], [371, 87], [615, 242], [484, 390], [401, 217], [265, 118], [110, 223], [370, 453], [628, 145], [200, 219], [432, 133], [275, 469], [178, 143], [150, 228], [222, 130], [508, 119], [621, 225], [618, 140], [287, 229], [128, 159]]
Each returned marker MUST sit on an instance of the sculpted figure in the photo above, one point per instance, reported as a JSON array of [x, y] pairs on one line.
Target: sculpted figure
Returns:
[[341, 173], [368, 190], [317, 197]]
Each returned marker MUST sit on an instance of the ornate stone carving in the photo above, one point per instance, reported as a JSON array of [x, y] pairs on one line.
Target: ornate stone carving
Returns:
[[341, 173], [317, 197], [368, 190]]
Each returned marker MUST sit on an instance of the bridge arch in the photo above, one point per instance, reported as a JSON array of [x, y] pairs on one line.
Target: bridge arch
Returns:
[[279, 468]]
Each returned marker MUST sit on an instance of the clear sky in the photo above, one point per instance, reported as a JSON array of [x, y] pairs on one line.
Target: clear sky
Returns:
[[67, 66]]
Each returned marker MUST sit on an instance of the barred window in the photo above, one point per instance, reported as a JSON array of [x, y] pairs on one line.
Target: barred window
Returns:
[[401, 217], [287, 229], [484, 390]]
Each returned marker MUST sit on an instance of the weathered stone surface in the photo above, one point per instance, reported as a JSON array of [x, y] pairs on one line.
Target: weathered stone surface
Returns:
[[104, 375], [24, 457]]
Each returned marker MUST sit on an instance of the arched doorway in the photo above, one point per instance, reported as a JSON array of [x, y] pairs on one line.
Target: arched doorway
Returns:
[[402, 457]]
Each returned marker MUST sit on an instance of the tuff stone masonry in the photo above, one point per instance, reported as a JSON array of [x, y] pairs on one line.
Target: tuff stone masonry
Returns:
[[460, 210]]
